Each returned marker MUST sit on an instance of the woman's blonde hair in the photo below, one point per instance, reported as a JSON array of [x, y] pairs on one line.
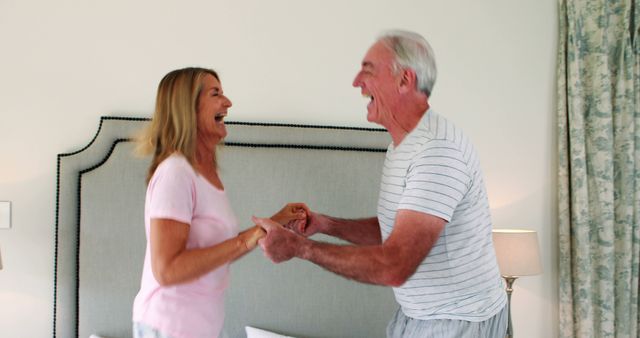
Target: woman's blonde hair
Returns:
[[173, 127]]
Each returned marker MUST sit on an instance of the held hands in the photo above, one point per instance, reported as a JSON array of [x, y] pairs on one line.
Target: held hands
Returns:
[[315, 223], [299, 218], [292, 215], [280, 244], [283, 241]]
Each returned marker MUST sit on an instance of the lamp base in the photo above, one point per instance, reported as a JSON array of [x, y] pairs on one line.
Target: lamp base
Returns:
[[509, 281]]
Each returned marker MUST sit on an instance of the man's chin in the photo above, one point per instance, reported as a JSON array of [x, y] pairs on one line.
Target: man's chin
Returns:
[[373, 118]]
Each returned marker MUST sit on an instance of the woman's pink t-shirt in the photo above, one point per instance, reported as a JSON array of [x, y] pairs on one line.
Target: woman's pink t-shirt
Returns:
[[194, 309]]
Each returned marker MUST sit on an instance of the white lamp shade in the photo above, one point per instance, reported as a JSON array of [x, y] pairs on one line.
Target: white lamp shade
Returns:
[[517, 252]]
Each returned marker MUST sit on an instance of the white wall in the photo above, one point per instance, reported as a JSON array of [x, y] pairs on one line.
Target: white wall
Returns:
[[65, 63]]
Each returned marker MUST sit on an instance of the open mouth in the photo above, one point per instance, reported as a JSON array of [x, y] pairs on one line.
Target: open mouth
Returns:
[[370, 98], [220, 117]]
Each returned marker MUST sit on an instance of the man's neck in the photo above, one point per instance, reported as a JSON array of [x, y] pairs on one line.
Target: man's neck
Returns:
[[400, 128]]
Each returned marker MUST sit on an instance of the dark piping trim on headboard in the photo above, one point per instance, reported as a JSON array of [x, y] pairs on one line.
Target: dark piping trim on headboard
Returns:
[[303, 146], [78, 223], [55, 247], [262, 124]]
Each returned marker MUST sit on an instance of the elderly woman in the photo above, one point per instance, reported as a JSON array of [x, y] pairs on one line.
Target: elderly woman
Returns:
[[192, 233]]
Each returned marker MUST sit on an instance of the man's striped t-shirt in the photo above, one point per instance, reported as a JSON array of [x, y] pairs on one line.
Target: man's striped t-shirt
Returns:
[[435, 170]]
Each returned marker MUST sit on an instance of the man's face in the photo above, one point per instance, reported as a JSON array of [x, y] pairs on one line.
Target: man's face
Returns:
[[378, 82]]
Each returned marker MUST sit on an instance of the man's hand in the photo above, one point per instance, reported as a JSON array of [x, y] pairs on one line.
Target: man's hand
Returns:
[[292, 215], [280, 244], [315, 223], [299, 218]]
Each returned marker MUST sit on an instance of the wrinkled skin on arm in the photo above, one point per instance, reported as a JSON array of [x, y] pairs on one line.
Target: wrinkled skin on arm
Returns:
[[356, 231], [390, 263]]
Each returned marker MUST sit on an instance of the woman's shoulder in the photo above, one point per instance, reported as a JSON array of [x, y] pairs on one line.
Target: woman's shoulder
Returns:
[[174, 164]]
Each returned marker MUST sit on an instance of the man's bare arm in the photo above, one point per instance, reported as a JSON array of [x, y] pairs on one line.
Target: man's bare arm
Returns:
[[364, 231], [390, 263]]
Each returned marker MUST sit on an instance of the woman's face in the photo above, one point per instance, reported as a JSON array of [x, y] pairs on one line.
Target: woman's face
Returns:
[[212, 109]]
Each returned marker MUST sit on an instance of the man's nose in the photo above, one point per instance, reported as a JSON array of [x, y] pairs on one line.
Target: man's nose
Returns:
[[356, 81]]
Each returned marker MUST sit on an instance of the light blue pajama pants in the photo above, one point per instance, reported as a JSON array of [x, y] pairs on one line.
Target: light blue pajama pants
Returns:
[[143, 331], [402, 326]]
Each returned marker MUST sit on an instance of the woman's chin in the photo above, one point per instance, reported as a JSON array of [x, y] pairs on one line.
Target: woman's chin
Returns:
[[222, 136], [221, 133]]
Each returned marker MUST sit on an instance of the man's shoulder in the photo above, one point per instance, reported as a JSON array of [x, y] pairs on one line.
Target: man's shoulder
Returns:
[[437, 132]]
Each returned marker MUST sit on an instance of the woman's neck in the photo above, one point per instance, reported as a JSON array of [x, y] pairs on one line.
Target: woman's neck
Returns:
[[205, 157]]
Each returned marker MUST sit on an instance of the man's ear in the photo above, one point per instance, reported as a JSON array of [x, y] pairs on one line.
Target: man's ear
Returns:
[[408, 81]]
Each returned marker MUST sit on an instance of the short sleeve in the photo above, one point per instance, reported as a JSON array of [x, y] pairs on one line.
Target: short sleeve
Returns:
[[172, 191], [437, 180]]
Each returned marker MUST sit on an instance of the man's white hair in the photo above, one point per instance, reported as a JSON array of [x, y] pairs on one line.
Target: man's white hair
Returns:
[[412, 51]]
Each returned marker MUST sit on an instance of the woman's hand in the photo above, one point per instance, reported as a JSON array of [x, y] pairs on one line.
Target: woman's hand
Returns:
[[280, 244], [251, 236], [292, 215]]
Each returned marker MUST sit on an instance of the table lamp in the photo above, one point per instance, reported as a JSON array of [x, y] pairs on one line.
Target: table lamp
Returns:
[[518, 255]]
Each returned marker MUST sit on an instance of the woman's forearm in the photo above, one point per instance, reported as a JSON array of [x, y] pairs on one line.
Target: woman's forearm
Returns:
[[194, 263]]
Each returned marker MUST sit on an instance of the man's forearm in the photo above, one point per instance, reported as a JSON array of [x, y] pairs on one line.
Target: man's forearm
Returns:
[[365, 231], [367, 264]]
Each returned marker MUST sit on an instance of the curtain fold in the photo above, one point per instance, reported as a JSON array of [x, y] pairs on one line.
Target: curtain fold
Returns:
[[599, 168]]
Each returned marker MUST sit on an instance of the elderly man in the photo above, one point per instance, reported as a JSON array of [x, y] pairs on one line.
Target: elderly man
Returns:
[[431, 240]]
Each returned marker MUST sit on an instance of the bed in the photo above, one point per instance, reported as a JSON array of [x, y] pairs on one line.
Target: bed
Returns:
[[99, 231]]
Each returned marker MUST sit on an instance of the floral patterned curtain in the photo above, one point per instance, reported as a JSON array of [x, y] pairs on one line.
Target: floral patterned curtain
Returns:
[[599, 167]]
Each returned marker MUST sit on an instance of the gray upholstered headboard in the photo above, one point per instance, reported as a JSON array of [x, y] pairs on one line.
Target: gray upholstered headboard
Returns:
[[99, 237]]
